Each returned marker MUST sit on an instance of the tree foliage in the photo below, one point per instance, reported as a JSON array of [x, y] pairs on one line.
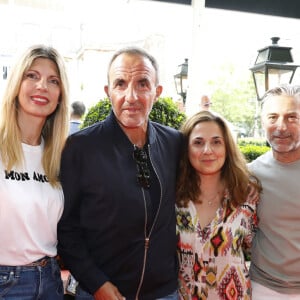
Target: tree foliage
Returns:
[[234, 97], [97, 113], [164, 111]]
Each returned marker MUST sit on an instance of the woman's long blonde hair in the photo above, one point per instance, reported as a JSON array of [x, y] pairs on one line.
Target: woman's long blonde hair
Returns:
[[55, 129]]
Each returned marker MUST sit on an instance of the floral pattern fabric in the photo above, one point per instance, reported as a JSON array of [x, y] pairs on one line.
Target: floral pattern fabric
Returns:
[[212, 262]]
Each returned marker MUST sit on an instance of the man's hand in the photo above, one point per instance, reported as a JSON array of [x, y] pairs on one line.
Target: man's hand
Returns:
[[108, 292]]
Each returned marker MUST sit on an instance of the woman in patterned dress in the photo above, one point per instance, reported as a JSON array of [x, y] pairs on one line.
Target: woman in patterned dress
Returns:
[[216, 205]]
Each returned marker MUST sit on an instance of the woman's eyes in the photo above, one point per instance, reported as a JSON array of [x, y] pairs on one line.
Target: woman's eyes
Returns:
[[217, 142], [199, 142], [31, 76], [54, 81], [212, 143], [36, 77]]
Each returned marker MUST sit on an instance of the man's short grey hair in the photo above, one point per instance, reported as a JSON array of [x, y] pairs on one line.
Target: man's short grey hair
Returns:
[[282, 90], [135, 51]]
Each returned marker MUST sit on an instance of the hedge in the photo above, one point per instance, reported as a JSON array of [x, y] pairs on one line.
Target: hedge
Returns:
[[164, 111], [251, 152]]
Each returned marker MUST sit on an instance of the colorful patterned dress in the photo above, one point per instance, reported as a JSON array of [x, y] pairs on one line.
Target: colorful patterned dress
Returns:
[[212, 263]]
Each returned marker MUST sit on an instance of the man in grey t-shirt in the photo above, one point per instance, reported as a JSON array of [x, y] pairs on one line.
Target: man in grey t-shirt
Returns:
[[275, 262]]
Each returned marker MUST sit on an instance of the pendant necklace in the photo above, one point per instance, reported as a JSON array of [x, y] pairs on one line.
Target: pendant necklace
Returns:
[[213, 200]]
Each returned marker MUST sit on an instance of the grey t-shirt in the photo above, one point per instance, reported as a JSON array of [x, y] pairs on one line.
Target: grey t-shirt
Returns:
[[275, 261]]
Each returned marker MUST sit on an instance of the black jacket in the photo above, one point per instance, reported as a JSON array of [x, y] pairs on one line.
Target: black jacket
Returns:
[[101, 233]]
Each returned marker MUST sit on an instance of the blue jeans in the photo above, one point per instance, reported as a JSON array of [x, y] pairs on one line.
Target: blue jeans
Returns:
[[82, 295], [31, 283]]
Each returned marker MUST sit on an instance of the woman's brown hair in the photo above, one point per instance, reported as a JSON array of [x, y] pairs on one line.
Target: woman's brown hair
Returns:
[[235, 174]]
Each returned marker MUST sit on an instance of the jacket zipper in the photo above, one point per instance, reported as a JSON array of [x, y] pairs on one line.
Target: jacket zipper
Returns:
[[147, 237]]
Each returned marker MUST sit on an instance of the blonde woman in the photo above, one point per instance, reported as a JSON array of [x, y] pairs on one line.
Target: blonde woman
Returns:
[[33, 128]]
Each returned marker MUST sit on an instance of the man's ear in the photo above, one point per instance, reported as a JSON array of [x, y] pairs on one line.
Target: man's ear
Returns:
[[106, 91], [159, 90]]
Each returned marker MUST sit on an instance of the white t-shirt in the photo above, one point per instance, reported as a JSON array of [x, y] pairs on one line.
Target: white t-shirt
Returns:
[[30, 209]]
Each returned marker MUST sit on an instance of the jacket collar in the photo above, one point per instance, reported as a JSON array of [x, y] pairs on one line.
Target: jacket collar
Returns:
[[119, 135]]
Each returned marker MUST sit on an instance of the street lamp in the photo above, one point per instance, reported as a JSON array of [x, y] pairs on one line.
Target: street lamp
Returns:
[[273, 66], [180, 79]]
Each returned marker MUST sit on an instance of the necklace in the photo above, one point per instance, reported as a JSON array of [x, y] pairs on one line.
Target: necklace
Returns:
[[211, 200]]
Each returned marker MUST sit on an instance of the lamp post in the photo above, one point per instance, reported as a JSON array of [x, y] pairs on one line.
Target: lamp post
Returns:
[[273, 66], [180, 79]]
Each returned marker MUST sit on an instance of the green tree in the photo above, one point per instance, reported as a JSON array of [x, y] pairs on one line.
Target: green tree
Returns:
[[164, 111], [234, 96]]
